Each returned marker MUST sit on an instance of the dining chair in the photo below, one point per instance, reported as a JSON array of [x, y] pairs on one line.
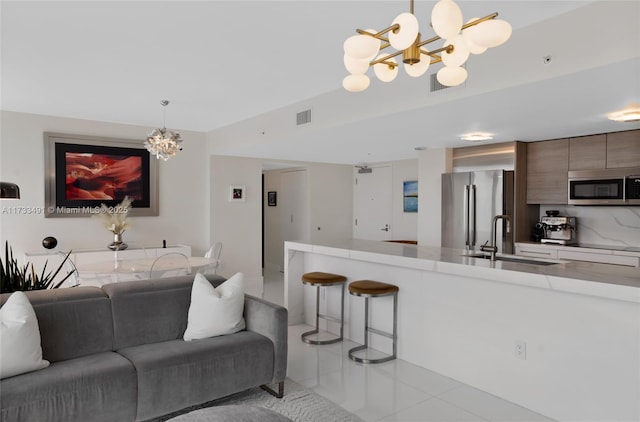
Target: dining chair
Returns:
[[170, 265], [214, 252]]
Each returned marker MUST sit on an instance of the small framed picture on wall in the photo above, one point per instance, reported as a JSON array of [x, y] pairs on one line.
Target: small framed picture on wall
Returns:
[[272, 199], [237, 193], [410, 196]]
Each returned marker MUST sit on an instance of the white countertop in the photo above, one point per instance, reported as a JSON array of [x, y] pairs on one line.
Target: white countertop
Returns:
[[601, 280]]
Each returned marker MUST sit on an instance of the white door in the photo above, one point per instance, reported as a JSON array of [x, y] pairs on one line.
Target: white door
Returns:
[[372, 204], [294, 199]]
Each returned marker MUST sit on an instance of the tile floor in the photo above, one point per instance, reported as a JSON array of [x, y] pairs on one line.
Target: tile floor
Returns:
[[392, 391]]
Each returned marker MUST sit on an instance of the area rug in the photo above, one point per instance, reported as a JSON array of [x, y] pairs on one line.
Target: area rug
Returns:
[[298, 404]]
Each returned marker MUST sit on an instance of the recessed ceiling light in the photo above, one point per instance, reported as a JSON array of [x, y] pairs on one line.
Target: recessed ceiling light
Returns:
[[476, 136], [420, 148], [631, 113]]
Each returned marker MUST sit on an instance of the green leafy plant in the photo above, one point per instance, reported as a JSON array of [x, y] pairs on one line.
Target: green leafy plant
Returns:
[[14, 277]]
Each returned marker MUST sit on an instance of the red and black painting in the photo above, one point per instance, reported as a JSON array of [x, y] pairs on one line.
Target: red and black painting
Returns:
[[90, 175]]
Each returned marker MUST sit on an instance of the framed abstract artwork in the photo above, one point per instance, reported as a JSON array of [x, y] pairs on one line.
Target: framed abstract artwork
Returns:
[[410, 196], [83, 172]]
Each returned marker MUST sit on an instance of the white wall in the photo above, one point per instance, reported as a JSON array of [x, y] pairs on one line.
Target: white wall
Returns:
[[330, 208], [183, 189], [405, 224], [331, 196], [238, 225], [431, 163], [273, 247]]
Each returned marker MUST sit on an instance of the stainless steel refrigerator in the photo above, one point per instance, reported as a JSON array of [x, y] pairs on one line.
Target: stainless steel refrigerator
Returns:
[[470, 200]]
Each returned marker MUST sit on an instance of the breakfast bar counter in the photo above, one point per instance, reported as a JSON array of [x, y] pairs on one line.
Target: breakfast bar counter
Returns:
[[469, 318]]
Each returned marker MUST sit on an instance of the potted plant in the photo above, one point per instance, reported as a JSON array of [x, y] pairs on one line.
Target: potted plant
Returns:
[[14, 277]]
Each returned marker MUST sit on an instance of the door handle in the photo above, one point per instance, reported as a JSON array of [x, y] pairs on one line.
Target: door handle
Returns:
[[386, 228], [465, 219], [474, 214]]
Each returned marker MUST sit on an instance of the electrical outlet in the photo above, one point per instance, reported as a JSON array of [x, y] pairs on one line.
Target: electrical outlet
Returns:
[[520, 349]]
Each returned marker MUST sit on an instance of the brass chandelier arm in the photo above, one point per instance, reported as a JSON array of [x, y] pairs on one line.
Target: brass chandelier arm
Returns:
[[385, 58], [434, 54], [429, 41], [380, 34], [477, 21]]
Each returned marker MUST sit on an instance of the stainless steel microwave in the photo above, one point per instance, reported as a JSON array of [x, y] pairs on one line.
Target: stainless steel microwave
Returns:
[[605, 187]]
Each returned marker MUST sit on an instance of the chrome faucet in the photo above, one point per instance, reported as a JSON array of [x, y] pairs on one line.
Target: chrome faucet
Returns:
[[493, 248]]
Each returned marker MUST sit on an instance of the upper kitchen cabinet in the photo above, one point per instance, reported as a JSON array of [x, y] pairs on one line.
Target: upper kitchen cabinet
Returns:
[[547, 167], [588, 152], [623, 149]]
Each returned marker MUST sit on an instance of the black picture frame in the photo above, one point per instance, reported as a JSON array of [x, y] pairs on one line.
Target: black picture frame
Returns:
[[77, 169], [272, 199]]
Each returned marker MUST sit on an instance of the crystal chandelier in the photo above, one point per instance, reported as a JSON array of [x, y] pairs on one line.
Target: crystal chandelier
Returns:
[[474, 37], [163, 143]]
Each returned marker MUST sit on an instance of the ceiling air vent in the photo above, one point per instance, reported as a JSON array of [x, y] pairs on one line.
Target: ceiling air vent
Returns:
[[435, 85], [303, 117]]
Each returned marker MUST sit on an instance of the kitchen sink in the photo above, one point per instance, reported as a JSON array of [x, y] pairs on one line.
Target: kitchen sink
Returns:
[[512, 258]]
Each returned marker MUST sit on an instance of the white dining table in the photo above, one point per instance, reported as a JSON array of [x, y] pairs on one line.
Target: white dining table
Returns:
[[103, 272]]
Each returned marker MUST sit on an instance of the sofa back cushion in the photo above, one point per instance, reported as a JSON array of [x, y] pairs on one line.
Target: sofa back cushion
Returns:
[[73, 322], [151, 311]]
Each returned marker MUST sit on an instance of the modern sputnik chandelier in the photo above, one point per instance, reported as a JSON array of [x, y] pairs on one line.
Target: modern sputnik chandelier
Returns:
[[163, 143], [474, 37]]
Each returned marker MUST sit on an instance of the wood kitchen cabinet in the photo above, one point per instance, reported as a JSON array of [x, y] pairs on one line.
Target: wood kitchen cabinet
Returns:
[[623, 149], [547, 167], [588, 152]]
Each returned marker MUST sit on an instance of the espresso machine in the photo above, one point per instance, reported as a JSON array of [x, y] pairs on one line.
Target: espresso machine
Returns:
[[558, 229]]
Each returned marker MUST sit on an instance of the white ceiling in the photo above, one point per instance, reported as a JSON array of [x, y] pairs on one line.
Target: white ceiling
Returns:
[[223, 62]]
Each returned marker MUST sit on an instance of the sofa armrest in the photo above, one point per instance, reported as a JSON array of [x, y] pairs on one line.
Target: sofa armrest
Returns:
[[271, 321]]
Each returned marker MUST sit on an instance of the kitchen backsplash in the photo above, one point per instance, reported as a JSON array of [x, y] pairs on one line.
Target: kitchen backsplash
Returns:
[[617, 226]]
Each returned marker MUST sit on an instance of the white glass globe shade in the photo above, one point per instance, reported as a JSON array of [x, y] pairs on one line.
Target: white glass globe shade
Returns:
[[407, 33], [490, 33], [355, 66], [460, 52], [452, 76], [356, 83], [418, 69], [384, 71], [361, 46], [446, 19], [471, 46]]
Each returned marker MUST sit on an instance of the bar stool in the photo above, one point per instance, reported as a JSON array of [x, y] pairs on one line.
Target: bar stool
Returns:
[[369, 289], [320, 279]]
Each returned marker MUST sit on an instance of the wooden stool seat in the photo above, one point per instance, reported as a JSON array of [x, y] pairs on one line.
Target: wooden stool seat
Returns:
[[369, 289], [373, 288], [322, 279]]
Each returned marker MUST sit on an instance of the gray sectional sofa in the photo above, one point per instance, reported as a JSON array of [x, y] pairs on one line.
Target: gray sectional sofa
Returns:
[[117, 354]]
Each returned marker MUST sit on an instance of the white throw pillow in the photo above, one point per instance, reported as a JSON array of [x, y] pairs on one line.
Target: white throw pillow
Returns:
[[20, 349], [215, 311]]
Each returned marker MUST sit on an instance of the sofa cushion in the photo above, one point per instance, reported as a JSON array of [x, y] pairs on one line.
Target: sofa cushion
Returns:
[[215, 311], [20, 349], [99, 387], [151, 311], [73, 322], [177, 374]]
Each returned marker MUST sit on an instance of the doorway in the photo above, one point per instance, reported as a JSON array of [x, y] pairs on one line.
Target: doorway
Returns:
[[372, 203]]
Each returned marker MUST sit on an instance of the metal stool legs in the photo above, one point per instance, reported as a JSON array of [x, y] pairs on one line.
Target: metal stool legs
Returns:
[[327, 318], [368, 330]]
